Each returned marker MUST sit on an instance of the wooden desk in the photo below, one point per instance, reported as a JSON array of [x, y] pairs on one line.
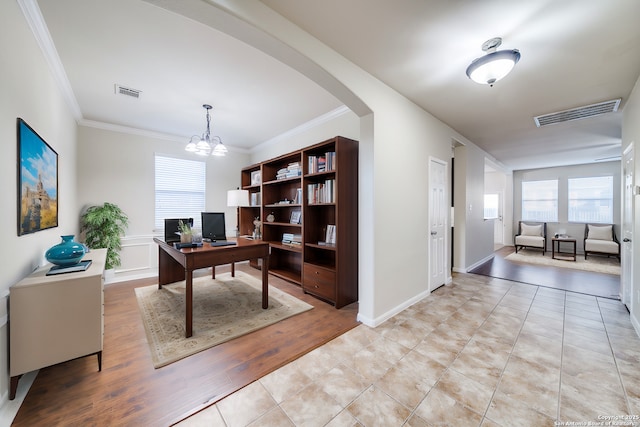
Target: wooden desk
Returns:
[[175, 265], [567, 256]]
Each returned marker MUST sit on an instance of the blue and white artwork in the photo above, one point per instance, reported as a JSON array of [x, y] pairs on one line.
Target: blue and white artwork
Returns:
[[38, 182]]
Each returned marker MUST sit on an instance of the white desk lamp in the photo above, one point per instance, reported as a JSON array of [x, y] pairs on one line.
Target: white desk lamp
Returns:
[[236, 199]]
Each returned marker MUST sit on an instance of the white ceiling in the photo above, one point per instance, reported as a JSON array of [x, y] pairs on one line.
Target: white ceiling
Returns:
[[574, 53]]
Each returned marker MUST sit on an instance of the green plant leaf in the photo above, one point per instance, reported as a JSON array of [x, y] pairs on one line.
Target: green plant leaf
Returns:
[[103, 227]]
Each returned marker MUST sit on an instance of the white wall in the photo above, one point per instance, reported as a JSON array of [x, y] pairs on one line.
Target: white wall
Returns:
[[125, 176], [500, 182], [342, 122], [562, 174], [469, 210], [459, 203], [631, 135], [30, 92]]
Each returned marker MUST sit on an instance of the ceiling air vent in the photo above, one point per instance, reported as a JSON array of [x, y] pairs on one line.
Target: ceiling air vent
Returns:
[[121, 90], [578, 113]]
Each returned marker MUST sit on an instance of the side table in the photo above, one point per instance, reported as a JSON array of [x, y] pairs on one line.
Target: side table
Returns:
[[557, 254]]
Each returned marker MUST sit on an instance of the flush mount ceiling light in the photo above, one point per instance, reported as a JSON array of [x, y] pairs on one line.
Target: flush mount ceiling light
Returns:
[[204, 145], [495, 65]]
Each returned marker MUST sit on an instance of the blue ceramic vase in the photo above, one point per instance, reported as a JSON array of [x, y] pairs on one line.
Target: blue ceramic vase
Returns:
[[66, 253]]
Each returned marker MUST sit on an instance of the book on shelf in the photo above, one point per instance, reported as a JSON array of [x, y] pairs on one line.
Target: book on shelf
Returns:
[[322, 163], [256, 199], [292, 170], [292, 239], [322, 192]]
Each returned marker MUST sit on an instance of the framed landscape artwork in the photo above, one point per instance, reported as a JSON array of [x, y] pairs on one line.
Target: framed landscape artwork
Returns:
[[37, 181]]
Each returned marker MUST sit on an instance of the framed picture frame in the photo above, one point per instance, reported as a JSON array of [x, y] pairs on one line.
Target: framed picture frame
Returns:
[[256, 178], [37, 181], [295, 217], [330, 238]]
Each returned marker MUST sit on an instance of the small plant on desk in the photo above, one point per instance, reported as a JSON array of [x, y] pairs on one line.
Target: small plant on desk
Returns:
[[186, 235]]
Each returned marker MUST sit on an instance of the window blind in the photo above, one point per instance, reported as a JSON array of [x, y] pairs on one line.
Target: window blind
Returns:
[[179, 190], [540, 200], [591, 199]]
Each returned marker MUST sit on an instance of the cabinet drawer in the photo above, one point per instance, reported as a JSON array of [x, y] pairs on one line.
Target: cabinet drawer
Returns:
[[319, 281]]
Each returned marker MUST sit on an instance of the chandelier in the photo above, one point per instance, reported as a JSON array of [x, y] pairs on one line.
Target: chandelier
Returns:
[[206, 144]]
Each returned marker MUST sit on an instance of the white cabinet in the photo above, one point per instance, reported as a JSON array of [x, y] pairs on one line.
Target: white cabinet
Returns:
[[56, 318]]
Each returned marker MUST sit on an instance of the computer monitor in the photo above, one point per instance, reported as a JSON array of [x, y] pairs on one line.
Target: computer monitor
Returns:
[[213, 226], [171, 228]]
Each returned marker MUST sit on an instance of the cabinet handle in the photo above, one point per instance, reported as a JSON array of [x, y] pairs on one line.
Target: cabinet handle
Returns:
[[317, 272]]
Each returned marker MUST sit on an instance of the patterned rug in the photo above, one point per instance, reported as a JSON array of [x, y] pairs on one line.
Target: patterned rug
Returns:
[[593, 263], [223, 309]]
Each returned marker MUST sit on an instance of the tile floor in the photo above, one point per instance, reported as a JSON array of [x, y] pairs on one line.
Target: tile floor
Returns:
[[480, 352]]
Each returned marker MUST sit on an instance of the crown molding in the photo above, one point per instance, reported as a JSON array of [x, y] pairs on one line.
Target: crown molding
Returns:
[[41, 33], [146, 133], [131, 131], [327, 117]]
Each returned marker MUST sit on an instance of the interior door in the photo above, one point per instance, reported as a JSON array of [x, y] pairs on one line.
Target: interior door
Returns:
[[626, 244], [438, 223]]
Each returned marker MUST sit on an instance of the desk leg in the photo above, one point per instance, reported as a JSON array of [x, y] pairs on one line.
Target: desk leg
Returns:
[[233, 271], [265, 282], [169, 270], [188, 323]]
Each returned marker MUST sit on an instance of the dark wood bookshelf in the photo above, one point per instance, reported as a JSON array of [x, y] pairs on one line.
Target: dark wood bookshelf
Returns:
[[327, 271]]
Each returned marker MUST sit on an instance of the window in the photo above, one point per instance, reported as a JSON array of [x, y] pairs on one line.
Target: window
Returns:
[[591, 199], [180, 190], [491, 206], [540, 201]]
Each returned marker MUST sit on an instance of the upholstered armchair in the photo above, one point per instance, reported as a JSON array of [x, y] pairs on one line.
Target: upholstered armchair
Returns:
[[601, 239], [531, 235]]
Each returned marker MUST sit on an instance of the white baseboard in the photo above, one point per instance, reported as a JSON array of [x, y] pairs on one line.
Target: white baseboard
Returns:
[[635, 324], [389, 314], [125, 276], [9, 408], [479, 263]]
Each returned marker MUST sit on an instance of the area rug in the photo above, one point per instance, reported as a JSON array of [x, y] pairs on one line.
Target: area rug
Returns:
[[596, 264], [223, 309]]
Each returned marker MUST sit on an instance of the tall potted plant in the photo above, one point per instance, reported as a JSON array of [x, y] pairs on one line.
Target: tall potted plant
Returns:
[[102, 227]]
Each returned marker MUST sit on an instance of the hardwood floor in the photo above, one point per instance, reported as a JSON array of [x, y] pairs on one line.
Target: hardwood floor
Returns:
[[129, 391], [584, 282]]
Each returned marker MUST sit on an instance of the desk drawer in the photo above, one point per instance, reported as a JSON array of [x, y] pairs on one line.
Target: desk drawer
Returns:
[[320, 281]]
